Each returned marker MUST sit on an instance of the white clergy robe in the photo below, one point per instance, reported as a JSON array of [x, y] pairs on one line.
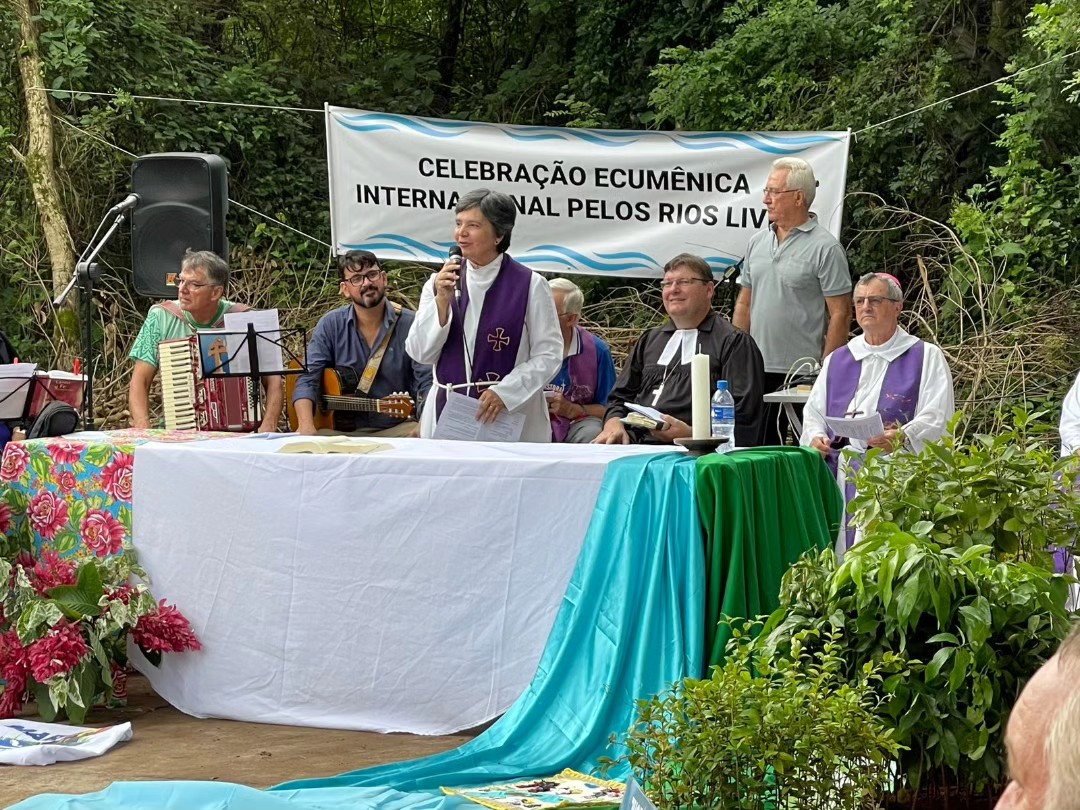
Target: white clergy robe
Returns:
[[539, 357], [1070, 420], [934, 409]]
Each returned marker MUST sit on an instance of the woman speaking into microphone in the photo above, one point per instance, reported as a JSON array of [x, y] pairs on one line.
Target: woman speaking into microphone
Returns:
[[488, 324]]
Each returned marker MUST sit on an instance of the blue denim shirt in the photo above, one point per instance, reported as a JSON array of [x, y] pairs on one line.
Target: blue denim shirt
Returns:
[[337, 343]]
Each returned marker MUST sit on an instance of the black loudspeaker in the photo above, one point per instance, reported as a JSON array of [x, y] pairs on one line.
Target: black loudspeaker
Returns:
[[183, 201]]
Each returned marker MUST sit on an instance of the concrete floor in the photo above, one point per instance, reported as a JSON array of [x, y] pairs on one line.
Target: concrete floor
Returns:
[[170, 745]]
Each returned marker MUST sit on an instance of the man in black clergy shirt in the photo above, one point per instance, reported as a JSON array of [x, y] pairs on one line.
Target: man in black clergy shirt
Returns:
[[658, 371]]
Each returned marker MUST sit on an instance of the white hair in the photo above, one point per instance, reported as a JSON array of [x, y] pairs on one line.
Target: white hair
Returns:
[[574, 299], [800, 176], [1062, 746]]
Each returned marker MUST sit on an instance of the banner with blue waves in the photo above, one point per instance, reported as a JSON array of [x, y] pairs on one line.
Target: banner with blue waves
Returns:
[[592, 201]]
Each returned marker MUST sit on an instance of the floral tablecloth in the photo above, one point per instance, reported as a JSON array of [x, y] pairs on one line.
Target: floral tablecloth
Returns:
[[73, 495]]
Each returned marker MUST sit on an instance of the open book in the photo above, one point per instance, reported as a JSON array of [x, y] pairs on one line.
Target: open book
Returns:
[[334, 444]]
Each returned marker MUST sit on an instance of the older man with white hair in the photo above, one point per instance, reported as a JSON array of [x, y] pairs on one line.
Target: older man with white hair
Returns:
[[795, 299], [578, 394], [883, 371], [1042, 739]]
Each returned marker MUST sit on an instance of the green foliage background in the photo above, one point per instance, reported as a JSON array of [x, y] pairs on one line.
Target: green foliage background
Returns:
[[974, 204]]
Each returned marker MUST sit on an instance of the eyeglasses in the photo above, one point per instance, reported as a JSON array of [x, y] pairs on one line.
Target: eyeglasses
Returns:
[[566, 315], [197, 285], [773, 192], [871, 300], [370, 276], [682, 283]]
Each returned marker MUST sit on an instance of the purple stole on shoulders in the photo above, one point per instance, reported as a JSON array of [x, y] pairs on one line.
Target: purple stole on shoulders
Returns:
[[897, 401], [582, 371], [498, 334]]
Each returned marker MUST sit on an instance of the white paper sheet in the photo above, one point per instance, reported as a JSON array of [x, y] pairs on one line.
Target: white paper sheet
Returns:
[[861, 428], [14, 388], [268, 327], [645, 410], [458, 421]]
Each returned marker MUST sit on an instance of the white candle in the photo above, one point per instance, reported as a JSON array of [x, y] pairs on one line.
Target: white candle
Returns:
[[699, 395]]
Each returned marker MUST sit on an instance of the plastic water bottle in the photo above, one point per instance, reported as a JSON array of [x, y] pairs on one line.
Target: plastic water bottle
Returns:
[[722, 416]]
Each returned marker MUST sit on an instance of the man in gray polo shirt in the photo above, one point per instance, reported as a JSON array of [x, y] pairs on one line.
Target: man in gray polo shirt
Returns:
[[794, 273]]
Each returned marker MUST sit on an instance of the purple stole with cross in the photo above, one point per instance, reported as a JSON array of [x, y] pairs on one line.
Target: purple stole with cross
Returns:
[[897, 401], [582, 370], [498, 333]]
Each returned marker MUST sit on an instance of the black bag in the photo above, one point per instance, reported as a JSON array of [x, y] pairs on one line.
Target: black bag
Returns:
[[55, 419]]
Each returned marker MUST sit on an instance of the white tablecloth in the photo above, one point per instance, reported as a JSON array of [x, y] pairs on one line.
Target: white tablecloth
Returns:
[[410, 590]]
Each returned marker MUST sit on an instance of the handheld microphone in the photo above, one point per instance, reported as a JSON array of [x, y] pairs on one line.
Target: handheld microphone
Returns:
[[129, 202], [455, 253]]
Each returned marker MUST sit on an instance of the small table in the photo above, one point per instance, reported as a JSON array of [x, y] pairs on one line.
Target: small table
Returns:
[[789, 398]]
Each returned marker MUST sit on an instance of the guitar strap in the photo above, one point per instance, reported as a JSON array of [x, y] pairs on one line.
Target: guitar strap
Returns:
[[367, 379]]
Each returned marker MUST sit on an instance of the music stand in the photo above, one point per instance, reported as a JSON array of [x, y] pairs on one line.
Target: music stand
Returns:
[[254, 374]]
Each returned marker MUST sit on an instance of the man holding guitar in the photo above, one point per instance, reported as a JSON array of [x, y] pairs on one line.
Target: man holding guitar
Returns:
[[359, 378]]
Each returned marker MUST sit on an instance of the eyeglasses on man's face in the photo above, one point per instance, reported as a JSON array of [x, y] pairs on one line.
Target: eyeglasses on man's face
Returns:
[[371, 276], [191, 284], [776, 192], [681, 283], [873, 301]]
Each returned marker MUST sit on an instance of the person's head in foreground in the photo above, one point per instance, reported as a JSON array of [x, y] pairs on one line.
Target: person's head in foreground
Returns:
[[878, 301], [687, 290], [201, 283], [1043, 736], [483, 223]]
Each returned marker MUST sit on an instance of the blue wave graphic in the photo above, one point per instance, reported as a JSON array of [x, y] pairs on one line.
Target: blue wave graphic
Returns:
[[573, 257], [771, 143]]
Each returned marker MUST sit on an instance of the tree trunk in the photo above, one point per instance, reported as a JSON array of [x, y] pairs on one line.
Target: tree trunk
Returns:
[[455, 23], [41, 169]]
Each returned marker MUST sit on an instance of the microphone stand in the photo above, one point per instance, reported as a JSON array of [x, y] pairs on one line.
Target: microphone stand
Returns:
[[86, 273]]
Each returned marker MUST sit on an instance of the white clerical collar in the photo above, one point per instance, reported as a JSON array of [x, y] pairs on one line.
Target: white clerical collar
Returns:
[[488, 270], [575, 345], [684, 339], [892, 348]]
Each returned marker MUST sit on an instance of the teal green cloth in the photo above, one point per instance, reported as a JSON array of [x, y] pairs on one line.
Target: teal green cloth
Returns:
[[762, 509], [630, 625]]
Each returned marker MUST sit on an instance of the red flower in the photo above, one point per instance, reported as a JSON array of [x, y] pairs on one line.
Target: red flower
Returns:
[[102, 533], [58, 652], [66, 480], [48, 514], [13, 673], [16, 457], [116, 477], [66, 452], [165, 631], [51, 571], [5, 518], [119, 681], [121, 594]]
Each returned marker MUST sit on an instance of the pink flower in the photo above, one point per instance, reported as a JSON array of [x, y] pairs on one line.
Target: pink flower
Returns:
[[13, 671], [121, 594], [116, 477], [119, 681], [102, 533], [5, 518], [58, 652], [66, 480], [47, 513], [51, 571], [16, 457], [165, 631], [66, 452]]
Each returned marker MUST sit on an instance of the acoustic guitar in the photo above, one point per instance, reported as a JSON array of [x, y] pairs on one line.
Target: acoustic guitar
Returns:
[[337, 408]]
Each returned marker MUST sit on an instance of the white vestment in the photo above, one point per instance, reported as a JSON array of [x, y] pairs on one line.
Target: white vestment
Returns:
[[932, 413], [1070, 420], [539, 357]]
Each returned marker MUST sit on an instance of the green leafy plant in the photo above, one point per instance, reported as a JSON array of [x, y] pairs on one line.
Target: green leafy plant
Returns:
[[794, 731], [1008, 491], [957, 631], [64, 630]]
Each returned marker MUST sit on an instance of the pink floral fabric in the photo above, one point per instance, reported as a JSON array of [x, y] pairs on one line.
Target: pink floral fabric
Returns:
[[73, 497]]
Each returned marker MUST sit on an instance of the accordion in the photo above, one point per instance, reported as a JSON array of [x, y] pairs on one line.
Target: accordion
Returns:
[[193, 401]]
